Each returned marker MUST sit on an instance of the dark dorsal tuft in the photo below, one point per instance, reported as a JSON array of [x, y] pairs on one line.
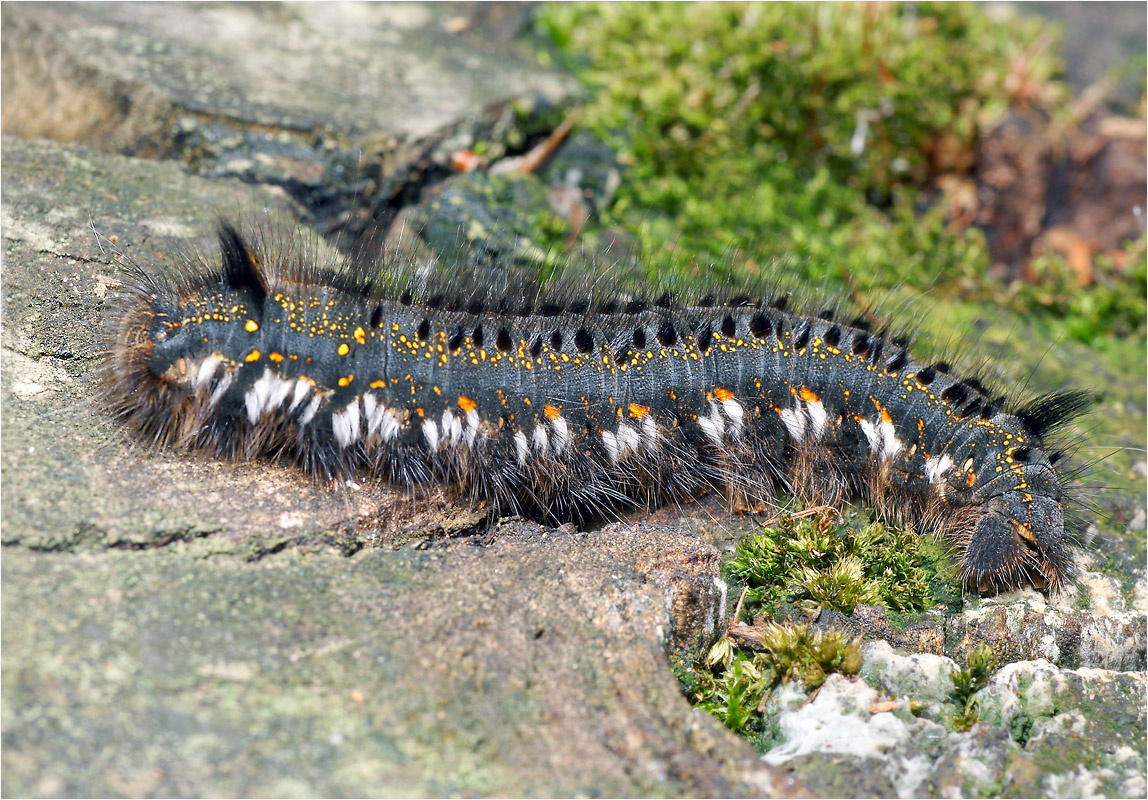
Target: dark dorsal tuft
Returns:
[[759, 325], [801, 339], [241, 268], [1052, 410]]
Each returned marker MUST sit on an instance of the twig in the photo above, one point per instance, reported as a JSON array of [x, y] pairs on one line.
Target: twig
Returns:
[[809, 512]]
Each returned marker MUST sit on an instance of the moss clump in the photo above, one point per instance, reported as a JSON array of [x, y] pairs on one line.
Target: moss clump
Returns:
[[817, 133], [734, 683], [967, 682], [805, 126], [815, 563], [1113, 307]]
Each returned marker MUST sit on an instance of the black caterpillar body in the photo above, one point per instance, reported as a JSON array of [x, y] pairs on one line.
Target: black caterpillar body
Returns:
[[566, 411]]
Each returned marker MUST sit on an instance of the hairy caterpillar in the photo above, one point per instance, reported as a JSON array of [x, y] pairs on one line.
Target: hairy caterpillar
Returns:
[[563, 409]]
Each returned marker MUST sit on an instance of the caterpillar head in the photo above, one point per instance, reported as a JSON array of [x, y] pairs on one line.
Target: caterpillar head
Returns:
[[1020, 536], [1013, 526]]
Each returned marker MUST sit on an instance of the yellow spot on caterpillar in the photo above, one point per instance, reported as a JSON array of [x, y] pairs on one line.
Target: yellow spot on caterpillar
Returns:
[[437, 391], [527, 401], [344, 348], [251, 326], [378, 384], [1024, 532], [637, 411], [553, 412], [808, 395], [253, 355], [466, 404], [276, 357], [346, 381], [360, 336], [722, 394]]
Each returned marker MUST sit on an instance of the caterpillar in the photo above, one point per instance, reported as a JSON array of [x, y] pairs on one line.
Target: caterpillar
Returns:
[[571, 404]]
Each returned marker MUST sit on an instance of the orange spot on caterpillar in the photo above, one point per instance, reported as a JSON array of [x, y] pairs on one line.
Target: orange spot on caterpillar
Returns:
[[809, 396], [553, 412], [276, 357], [253, 356], [637, 411], [971, 481], [251, 326], [346, 381], [344, 348], [360, 336], [466, 404], [378, 384], [885, 415], [722, 394]]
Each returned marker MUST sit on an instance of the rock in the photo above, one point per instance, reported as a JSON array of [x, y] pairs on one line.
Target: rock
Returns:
[[1024, 626], [334, 103], [922, 676], [1043, 731], [923, 633], [532, 666], [487, 222], [1020, 625], [1076, 726]]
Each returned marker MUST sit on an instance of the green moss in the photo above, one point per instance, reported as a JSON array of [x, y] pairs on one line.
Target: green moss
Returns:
[[1113, 307], [777, 123], [733, 684], [815, 563], [813, 132], [970, 680]]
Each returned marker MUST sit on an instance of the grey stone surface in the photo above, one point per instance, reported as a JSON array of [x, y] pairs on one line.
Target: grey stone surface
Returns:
[[1023, 625], [1043, 732], [533, 666], [333, 102], [349, 69]]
